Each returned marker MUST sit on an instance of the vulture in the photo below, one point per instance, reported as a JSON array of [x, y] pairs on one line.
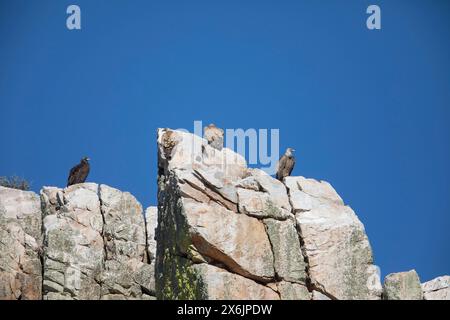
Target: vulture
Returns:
[[214, 136], [286, 164], [79, 173]]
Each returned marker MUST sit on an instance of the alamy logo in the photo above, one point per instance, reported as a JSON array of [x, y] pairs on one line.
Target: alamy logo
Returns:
[[252, 144], [374, 20], [73, 21]]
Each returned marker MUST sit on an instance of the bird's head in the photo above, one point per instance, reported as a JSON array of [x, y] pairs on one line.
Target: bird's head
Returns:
[[289, 152], [85, 159]]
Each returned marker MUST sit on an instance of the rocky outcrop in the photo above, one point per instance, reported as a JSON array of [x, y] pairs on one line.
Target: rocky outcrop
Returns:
[[293, 291], [94, 244], [402, 286], [437, 289], [221, 231], [20, 245], [86, 241], [74, 251], [200, 231], [216, 216]]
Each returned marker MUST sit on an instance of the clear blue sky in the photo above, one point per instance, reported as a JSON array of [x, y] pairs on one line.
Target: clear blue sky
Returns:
[[366, 110]]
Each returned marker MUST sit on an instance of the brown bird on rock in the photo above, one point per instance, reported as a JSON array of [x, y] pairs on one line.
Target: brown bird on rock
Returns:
[[286, 164], [79, 173], [214, 136]]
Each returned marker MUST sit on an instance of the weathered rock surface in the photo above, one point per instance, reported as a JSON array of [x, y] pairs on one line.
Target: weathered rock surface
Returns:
[[215, 211], [262, 196], [94, 244], [20, 242], [185, 151], [316, 295], [293, 291], [151, 219], [221, 231], [334, 242], [289, 262], [437, 289], [237, 241], [201, 232], [402, 286], [218, 284]]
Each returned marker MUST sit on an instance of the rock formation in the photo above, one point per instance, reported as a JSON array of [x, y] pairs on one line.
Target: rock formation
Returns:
[[402, 286], [334, 241], [223, 226], [20, 245], [86, 241], [94, 244], [437, 289], [221, 231]]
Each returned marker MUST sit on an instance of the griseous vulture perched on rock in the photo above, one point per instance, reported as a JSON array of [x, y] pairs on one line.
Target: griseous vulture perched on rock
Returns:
[[79, 173], [286, 164]]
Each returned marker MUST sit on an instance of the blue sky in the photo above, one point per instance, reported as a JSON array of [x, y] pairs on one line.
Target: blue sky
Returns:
[[367, 111]]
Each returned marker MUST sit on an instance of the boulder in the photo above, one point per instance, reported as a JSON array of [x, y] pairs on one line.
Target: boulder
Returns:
[[402, 286], [219, 213], [437, 289], [73, 243]]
